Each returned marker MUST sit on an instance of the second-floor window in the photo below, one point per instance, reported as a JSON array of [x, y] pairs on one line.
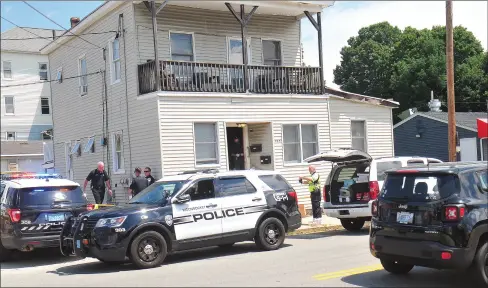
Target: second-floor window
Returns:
[[43, 71], [10, 136], [115, 69], [7, 69], [45, 109], [9, 105], [182, 47], [271, 52], [82, 71]]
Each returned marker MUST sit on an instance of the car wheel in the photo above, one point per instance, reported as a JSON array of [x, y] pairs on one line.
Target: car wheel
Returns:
[[352, 225], [271, 234], [5, 254], [479, 268], [395, 267], [148, 250], [226, 246]]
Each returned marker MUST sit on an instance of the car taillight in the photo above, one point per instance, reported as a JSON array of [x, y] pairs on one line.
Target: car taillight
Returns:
[[374, 189], [90, 207], [14, 214], [293, 195], [325, 193], [454, 213], [374, 208]]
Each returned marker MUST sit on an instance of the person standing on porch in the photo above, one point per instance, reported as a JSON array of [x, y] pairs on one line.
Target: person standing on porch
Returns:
[[313, 182]]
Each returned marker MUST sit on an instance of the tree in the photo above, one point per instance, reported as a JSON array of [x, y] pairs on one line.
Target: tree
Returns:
[[407, 65]]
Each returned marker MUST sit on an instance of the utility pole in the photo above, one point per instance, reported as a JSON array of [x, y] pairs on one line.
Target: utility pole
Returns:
[[451, 108]]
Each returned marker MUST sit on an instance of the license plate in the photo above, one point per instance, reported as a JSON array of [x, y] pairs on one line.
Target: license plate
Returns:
[[405, 217], [55, 217], [78, 244]]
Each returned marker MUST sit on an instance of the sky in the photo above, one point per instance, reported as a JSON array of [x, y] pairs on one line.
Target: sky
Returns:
[[339, 22]]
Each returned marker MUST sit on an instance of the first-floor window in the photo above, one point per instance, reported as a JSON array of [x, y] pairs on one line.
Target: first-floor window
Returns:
[[11, 136], [300, 141], [206, 145], [358, 135], [118, 152]]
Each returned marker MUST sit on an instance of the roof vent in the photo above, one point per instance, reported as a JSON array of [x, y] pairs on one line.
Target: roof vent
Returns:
[[434, 104], [74, 21]]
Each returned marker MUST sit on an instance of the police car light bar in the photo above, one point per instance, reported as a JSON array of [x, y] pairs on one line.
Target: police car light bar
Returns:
[[31, 176]]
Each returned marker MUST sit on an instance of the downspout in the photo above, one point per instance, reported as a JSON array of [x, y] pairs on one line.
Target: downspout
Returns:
[[52, 112], [122, 31]]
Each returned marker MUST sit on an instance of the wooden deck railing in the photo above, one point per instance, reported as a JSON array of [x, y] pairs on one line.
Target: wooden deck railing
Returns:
[[209, 77]]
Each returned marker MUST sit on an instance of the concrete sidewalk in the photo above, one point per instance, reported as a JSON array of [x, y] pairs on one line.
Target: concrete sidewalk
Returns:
[[326, 221]]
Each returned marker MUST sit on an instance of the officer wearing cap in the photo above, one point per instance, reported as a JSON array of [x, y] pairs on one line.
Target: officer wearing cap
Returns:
[[138, 184]]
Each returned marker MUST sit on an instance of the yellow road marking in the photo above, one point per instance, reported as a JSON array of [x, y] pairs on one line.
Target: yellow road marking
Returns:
[[349, 272]]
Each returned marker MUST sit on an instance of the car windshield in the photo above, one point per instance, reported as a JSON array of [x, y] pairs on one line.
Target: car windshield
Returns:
[[383, 166], [158, 192], [51, 195], [419, 187]]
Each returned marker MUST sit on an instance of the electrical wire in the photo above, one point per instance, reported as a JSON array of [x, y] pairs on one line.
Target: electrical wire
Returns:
[[59, 24], [40, 37], [48, 81]]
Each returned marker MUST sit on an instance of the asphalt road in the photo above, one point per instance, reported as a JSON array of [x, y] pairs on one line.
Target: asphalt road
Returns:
[[334, 259]]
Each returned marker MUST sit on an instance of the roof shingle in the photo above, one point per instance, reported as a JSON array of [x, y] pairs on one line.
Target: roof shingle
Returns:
[[467, 119], [20, 147], [28, 45]]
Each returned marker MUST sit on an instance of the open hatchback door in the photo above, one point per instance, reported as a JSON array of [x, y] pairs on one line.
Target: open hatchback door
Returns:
[[341, 156]]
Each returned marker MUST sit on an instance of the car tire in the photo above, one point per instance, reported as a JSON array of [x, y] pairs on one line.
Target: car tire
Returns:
[[353, 225], [270, 235], [395, 267], [226, 246], [479, 268], [148, 250], [5, 254]]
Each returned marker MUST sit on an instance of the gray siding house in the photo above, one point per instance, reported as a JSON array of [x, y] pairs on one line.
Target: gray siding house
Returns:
[[425, 134], [186, 110]]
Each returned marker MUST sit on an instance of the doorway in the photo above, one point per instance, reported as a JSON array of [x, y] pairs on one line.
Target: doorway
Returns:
[[235, 144]]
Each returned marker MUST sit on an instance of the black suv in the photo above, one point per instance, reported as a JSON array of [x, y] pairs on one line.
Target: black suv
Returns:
[[434, 216], [33, 212]]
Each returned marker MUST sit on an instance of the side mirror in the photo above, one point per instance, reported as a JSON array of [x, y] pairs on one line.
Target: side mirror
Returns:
[[182, 199]]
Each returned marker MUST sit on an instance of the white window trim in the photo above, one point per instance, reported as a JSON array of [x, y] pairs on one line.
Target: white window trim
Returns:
[[249, 48], [48, 104], [11, 71], [5, 104], [114, 154], [79, 74], [365, 131], [301, 162], [281, 50], [60, 69], [214, 165], [47, 71], [193, 43], [6, 135], [86, 144], [112, 62]]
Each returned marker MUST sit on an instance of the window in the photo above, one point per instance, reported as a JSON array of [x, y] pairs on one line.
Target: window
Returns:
[[82, 71], [276, 182], [206, 145], [115, 67], [420, 187], [45, 136], [203, 189], [299, 142], [181, 46], [59, 75], [45, 106], [235, 186], [76, 149], [382, 167], [10, 136], [7, 70], [483, 176], [118, 152], [9, 105], [158, 192], [484, 149], [90, 147], [43, 71], [271, 53], [358, 135]]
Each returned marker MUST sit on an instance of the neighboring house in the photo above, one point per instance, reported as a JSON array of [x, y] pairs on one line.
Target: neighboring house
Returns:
[[26, 109], [426, 134], [191, 119]]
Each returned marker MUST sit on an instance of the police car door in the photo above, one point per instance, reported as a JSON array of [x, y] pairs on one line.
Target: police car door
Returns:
[[200, 216], [242, 203]]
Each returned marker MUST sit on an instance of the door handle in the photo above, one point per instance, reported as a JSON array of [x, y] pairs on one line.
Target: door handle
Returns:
[[256, 199]]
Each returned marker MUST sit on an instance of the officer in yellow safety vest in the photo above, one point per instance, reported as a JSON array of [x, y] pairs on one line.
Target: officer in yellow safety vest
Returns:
[[313, 182]]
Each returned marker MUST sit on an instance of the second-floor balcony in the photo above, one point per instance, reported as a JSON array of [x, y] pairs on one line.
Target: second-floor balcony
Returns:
[[211, 77]]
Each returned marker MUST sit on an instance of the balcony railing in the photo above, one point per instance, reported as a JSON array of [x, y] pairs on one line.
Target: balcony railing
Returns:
[[208, 77]]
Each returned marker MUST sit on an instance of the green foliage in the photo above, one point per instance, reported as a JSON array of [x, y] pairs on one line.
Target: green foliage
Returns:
[[383, 61]]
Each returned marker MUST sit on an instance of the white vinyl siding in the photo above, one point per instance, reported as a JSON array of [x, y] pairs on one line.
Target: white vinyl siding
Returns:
[[358, 135], [299, 142], [7, 69], [206, 145], [115, 60], [9, 105], [82, 71]]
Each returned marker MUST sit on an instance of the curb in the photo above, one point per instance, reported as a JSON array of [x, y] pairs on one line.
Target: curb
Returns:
[[320, 229]]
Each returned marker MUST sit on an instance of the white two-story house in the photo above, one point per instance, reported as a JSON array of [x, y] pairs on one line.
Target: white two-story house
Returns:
[[190, 85], [26, 110]]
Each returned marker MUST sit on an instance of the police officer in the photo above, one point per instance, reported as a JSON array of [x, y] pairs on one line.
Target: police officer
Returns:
[[138, 184], [98, 178], [149, 177], [313, 182]]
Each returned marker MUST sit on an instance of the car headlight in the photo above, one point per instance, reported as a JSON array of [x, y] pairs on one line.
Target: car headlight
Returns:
[[111, 222]]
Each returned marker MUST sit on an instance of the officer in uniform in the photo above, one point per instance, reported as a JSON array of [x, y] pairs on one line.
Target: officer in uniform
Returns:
[[98, 178], [138, 184], [313, 182]]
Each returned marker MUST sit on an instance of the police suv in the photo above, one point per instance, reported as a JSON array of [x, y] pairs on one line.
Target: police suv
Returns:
[[33, 212], [187, 211]]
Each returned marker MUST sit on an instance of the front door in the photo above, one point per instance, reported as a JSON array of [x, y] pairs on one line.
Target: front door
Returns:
[[235, 149], [200, 217]]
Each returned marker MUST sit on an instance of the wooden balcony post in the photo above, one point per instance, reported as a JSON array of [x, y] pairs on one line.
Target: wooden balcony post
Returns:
[[154, 12], [318, 26]]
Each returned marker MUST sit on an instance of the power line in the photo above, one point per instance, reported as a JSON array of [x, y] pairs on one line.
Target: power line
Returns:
[[59, 24], [48, 38], [48, 81]]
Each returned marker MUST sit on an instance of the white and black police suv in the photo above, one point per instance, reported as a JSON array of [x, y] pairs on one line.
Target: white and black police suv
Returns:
[[192, 210]]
